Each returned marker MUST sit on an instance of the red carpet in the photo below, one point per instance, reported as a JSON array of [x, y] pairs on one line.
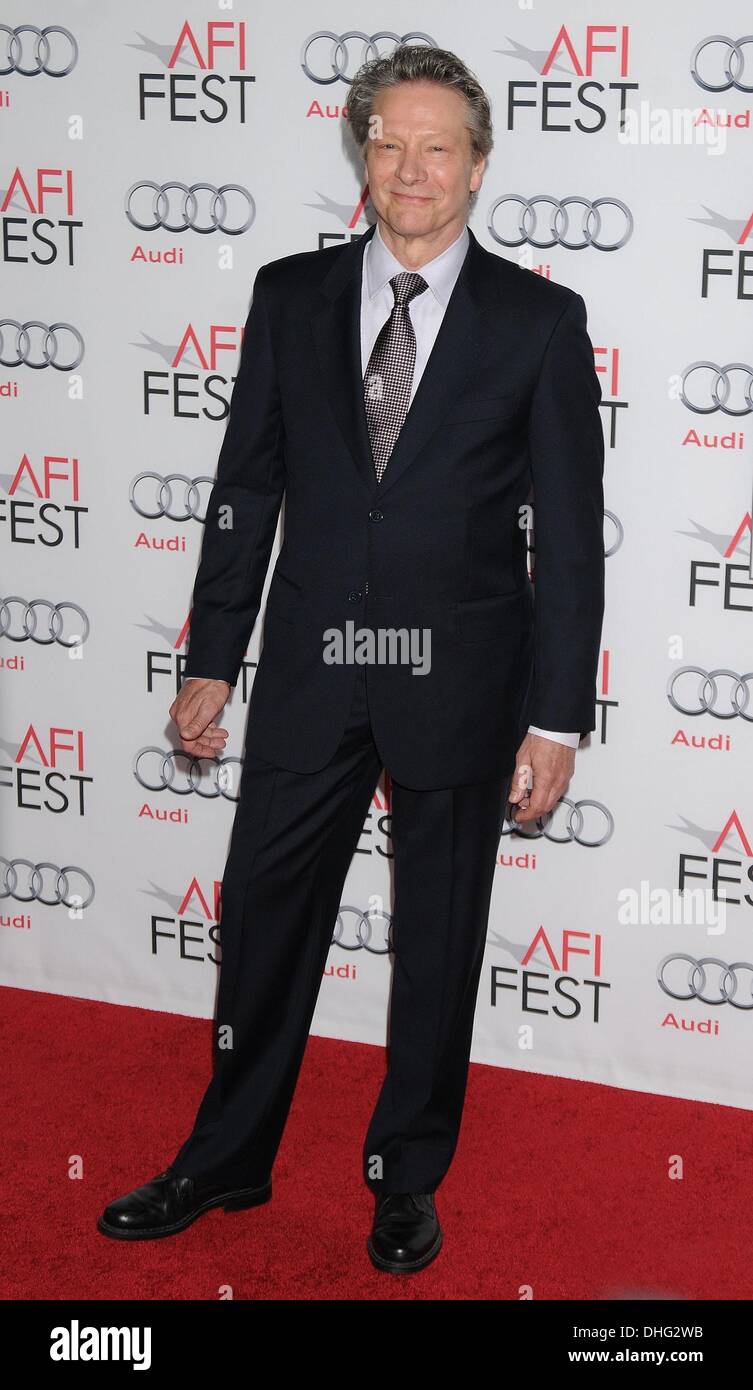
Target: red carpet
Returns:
[[556, 1184]]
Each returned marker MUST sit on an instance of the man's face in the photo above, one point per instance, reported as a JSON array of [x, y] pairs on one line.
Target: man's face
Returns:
[[419, 162]]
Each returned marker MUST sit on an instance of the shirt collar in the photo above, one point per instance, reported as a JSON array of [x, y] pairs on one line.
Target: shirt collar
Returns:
[[440, 273]]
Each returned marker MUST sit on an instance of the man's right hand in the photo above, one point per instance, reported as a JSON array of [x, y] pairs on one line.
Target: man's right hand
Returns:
[[195, 710]]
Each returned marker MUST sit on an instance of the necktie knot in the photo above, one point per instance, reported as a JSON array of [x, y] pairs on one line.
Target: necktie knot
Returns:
[[406, 286]]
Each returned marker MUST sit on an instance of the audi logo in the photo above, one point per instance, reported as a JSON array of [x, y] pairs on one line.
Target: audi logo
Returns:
[[164, 500], [733, 59], [34, 888], [219, 778], [23, 351], [361, 937], [601, 822], [697, 980], [42, 50], [559, 222], [215, 217], [619, 533], [720, 378], [29, 620], [707, 692], [333, 64]]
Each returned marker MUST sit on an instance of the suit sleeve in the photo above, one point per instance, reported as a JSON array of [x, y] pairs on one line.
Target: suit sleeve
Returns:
[[566, 443], [243, 508]]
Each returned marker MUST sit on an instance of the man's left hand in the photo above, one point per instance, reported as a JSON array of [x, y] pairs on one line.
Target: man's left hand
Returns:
[[553, 765]]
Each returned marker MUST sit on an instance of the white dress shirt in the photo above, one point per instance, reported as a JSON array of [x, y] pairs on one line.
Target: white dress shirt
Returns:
[[426, 313]]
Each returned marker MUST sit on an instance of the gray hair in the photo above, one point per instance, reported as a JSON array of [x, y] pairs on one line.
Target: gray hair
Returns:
[[411, 63]]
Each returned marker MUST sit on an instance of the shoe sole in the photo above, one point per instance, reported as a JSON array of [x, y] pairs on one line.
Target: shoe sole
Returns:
[[239, 1200], [404, 1266]]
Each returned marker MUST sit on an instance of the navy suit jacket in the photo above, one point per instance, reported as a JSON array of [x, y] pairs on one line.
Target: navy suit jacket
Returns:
[[508, 402]]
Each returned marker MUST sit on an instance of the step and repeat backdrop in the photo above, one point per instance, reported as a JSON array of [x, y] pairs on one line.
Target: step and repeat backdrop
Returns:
[[153, 156]]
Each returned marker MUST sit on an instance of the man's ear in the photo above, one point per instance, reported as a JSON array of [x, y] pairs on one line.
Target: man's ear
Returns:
[[478, 172]]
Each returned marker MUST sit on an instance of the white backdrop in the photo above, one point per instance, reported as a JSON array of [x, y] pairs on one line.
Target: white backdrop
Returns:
[[569, 986]]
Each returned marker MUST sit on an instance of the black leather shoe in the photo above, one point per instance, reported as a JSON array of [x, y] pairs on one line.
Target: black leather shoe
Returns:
[[168, 1203], [406, 1234]]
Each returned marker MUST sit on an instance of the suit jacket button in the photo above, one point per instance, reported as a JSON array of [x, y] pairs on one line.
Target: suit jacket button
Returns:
[[355, 596], [376, 515]]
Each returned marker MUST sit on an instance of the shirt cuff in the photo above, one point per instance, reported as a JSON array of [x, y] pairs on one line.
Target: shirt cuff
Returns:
[[572, 740]]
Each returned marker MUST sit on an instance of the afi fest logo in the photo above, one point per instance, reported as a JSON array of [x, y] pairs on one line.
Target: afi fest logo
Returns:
[[200, 75], [197, 369], [725, 865], [564, 981], [190, 928], [38, 217], [48, 771], [581, 85], [44, 506], [727, 272], [725, 583]]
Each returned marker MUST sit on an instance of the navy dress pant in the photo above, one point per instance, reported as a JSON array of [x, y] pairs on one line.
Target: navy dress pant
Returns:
[[293, 839]]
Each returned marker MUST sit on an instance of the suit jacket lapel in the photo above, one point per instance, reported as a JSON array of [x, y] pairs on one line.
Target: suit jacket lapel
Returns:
[[337, 334]]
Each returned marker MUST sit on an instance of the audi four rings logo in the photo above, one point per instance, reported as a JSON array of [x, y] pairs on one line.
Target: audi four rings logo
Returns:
[[332, 57], [164, 772], [360, 934], [47, 348], [215, 217], [693, 979], [731, 60], [27, 624], [601, 825], [41, 51], [559, 222], [718, 388], [707, 692], [164, 502], [33, 890]]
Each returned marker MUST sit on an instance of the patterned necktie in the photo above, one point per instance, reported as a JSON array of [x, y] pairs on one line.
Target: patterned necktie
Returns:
[[389, 375]]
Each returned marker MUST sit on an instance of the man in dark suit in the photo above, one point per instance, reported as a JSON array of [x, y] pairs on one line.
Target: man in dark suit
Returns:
[[402, 392]]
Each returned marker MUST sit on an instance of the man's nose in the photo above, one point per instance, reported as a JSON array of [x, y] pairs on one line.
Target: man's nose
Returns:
[[411, 170]]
